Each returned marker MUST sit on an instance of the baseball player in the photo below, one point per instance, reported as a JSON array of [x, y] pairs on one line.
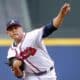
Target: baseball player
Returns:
[[27, 56]]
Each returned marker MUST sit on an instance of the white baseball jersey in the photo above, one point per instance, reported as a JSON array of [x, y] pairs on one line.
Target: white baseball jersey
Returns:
[[33, 51]]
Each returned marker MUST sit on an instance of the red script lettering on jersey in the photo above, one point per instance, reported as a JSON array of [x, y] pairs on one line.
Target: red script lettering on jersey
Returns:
[[27, 52]]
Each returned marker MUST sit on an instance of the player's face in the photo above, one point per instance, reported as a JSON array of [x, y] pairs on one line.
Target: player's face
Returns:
[[15, 32]]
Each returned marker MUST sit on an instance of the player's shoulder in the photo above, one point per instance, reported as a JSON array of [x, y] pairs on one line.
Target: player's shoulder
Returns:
[[35, 31], [11, 53], [12, 47]]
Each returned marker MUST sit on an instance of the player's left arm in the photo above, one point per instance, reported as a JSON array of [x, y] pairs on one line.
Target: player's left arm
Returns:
[[57, 21], [17, 66]]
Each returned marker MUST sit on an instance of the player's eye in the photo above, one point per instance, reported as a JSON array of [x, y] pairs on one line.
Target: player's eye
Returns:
[[12, 28]]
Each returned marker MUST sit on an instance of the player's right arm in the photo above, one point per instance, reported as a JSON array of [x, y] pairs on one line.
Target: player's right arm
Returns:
[[57, 21], [17, 66]]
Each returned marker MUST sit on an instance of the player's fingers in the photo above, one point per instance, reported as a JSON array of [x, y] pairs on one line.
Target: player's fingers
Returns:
[[66, 6], [65, 9]]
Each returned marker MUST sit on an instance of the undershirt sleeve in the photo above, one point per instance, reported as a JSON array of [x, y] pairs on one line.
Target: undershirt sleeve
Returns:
[[48, 29]]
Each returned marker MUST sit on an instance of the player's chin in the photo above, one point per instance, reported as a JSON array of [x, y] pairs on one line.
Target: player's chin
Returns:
[[15, 37]]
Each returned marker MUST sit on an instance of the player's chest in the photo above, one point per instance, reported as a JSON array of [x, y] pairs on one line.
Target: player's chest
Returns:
[[26, 49]]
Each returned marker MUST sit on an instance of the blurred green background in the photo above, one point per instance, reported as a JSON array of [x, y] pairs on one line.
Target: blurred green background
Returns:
[[35, 13], [65, 49]]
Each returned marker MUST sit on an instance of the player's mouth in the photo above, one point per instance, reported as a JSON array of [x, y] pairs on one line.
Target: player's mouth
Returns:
[[15, 34]]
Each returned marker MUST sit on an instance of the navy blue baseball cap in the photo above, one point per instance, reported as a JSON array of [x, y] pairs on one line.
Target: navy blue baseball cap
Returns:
[[13, 23]]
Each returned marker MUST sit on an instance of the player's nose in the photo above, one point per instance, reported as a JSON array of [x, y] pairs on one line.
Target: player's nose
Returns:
[[13, 30]]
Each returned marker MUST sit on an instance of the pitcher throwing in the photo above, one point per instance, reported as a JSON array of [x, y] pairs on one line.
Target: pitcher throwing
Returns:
[[27, 56]]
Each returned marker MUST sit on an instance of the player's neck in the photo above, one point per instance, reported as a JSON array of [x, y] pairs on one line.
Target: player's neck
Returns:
[[16, 42]]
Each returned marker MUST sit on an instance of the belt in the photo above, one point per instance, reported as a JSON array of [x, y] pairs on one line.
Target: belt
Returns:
[[43, 72]]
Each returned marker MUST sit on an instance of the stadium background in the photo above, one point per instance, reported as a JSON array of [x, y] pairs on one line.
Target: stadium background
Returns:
[[63, 45]]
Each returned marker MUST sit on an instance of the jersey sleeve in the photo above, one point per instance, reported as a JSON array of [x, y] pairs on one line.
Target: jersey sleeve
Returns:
[[44, 31], [48, 29], [11, 53], [38, 35]]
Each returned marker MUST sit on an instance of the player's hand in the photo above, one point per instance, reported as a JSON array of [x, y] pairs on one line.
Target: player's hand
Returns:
[[17, 72], [58, 20], [17, 67], [65, 9]]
